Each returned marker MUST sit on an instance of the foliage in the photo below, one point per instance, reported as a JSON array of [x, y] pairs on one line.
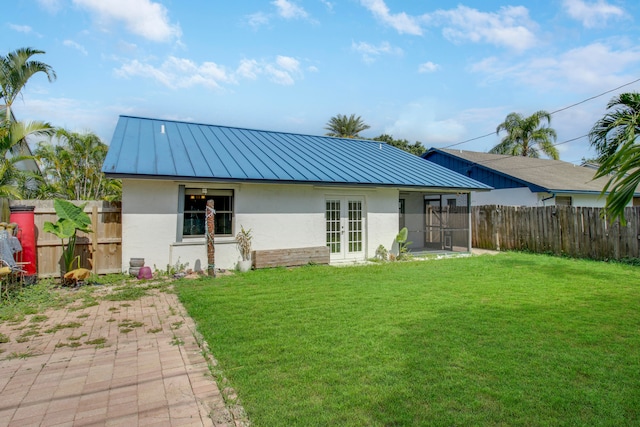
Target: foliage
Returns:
[[382, 253], [71, 219], [403, 245], [72, 168], [13, 150], [177, 268], [243, 239], [615, 138], [346, 127], [526, 136], [30, 300], [512, 339], [416, 148], [16, 68]]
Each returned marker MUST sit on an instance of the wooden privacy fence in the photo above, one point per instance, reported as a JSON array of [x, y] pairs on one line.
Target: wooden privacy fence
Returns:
[[103, 246], [563, 230]]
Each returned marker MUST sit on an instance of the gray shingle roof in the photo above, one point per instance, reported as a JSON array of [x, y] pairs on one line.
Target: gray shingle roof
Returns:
[[554, 175], [153, 148]]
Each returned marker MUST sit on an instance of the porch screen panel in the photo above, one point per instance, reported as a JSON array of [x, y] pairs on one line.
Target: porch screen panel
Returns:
[[355, 226], [332, 216]]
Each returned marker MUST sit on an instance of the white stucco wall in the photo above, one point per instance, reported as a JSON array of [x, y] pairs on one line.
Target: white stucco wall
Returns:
[[524, 197], [506, 197], [280, 216]]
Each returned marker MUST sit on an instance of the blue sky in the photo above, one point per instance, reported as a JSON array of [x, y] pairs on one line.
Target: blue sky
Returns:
[[437, 72]]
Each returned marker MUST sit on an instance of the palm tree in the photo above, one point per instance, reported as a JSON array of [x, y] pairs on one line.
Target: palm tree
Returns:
[[72, 167], [346, 127], [12, 134], [526, 137], [16, 69], [615, 138]]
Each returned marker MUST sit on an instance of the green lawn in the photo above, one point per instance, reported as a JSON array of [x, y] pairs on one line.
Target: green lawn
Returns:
[[513, 339]]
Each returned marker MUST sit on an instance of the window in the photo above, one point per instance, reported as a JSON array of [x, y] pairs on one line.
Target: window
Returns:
[[401, 212], [563, 200], [451, 203], [195, 204]]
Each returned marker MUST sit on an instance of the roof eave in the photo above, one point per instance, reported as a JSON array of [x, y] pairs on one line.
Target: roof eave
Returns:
[[397, 185]]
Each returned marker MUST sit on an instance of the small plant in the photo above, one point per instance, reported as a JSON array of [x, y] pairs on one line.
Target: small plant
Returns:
[[21, 355], [382, 253], [177, 341], [60, 326], [171, 270], [38, 318], [3, 338], [155, 330], [96, 341], [71, 219], [176, 325], [403, 245], [243, 239], [127, 293], [74, 338]]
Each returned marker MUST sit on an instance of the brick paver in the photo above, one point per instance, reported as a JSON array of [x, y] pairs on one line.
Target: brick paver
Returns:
[[149, 371]]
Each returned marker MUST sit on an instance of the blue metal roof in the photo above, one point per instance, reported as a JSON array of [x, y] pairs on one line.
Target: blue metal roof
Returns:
[[153, 148]]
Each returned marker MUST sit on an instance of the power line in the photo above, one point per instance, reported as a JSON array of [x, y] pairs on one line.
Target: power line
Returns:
[[502, 156], [553, 112]]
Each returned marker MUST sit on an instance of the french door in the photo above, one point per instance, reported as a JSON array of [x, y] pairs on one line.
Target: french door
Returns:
[[345, 228]]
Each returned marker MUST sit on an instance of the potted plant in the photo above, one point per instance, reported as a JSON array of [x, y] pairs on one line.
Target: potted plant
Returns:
[[243, 239]]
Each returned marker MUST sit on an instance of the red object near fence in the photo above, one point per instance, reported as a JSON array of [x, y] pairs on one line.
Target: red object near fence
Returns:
[[24, 217]]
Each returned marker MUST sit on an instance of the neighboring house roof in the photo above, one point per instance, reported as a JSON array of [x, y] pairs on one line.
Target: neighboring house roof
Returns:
[[505, 171], [152, 148]]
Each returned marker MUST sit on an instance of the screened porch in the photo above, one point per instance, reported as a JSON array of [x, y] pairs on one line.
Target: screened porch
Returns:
[[437, 222]]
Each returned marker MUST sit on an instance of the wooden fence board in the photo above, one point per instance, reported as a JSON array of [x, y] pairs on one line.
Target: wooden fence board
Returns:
[[103, 246], [575, 231]]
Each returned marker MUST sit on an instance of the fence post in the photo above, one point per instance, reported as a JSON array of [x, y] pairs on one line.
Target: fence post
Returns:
[[94, 239]]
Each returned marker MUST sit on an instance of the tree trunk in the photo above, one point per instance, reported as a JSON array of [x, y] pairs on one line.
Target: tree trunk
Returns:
[[210, 232]]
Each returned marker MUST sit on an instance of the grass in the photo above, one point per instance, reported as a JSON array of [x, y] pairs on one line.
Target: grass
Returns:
[[33, 299], [61, 326], [128, 292], [514, 339]]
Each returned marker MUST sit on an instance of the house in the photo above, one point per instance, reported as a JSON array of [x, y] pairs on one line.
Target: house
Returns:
[[523, 181], [293, 191]]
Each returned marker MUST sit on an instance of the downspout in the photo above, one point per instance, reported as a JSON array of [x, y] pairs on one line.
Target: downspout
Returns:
[[553, 195]]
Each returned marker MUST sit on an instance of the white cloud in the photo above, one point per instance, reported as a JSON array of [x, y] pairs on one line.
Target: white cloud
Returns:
[[50, 5], [180, 73], [370, 52], [401, 22], [258, 19], [510, 26], [145, 18], [594, 14], [284, 71], [428, 67], [418, 121], [328, 4], [289, 10], [248, 69], [590, 68], [21, 28], [287, 63], [74, 45]]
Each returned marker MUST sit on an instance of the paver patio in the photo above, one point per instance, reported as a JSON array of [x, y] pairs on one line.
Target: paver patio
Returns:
[[150, 370]]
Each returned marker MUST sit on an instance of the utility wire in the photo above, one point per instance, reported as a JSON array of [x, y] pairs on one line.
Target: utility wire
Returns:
[[502, 157], [553, 112]]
